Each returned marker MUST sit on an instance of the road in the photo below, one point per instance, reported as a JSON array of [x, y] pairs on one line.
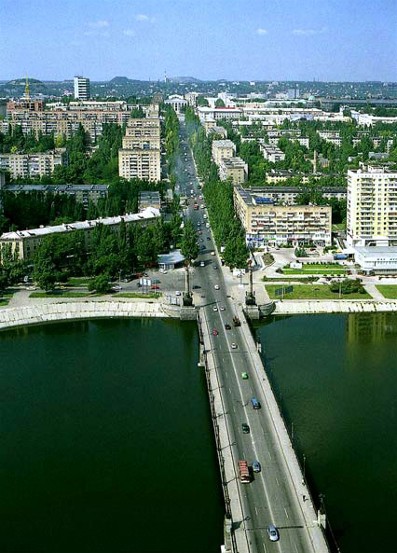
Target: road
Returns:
[[270, 497]]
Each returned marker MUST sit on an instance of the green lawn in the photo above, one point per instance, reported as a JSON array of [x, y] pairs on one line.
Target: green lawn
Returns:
[[388, 290], [5, 298], [316, 269], [60, 294], [149, 295], [78, 281], [312, 292]]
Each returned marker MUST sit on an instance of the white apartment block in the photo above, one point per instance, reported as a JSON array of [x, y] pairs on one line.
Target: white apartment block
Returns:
[[371, 207], [31, 165], [265, 223], [81, 88], [272, 153], [222, 149], [24, 243]]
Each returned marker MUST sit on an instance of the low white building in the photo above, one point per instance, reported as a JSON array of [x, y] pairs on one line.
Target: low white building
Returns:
[[376, 259]]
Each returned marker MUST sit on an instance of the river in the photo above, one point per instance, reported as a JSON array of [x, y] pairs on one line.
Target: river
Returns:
[[107, 442]]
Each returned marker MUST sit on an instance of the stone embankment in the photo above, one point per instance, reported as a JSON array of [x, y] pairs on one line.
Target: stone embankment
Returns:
[[67, 311], [296, 307]]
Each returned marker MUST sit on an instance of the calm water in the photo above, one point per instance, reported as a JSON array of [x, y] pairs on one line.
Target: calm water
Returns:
[[336, 378], [107, 441]]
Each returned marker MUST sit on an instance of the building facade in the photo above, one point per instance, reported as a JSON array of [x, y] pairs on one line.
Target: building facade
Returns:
[[24, 243], [222, 149], [371, 207], [31, 165], [81, 88], [233, 168], [140, 156], [265, 223]]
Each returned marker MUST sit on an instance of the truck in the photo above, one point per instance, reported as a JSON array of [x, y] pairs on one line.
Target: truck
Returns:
[[243, 472], [236, 321], [340, 256]]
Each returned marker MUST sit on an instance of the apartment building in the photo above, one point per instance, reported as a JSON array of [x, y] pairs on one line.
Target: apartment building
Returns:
[[140, 158], [84, 193], [149, 198], [24, 243], [81, 88], [267, 223], [233, 168], [287, 195], [272, 153], [371, 207], [222, 149], [31, 165]]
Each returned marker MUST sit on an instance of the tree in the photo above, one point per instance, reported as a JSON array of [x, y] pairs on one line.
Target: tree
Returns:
[[219, 103], [100, 284], [189, 246]]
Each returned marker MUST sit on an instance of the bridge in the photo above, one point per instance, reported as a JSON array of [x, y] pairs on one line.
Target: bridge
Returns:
[[278, 494]]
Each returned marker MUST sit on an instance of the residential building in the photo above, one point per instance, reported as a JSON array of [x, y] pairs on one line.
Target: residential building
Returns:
[[266, 223], [24, 243], [205, 113], [31, 165], [272, 153], [371, 207], [84, 193], [140, 156], [149, 198], [222, 149], [287, 194], [233, 168], [81, 88]]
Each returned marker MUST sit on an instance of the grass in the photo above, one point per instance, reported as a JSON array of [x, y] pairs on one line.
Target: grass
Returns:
[[388, 290], [5, 298], [316, 269], [313, 292], [150, 295], [60, 294]]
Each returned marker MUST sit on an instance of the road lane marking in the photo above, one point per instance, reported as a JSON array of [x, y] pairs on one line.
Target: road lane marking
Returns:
[[286, 513]]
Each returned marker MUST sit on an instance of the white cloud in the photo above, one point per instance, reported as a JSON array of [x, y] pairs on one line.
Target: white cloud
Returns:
[[261, 31], [101, 24], [308, 32], [142, 17], [129, 32]]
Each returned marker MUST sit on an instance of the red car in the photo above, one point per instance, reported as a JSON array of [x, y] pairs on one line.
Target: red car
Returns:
[[215, 332], [155, 287]]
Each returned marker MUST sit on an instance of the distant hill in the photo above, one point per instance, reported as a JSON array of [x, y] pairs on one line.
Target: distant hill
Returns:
[[122, 81], [184, 80], [22, 82]]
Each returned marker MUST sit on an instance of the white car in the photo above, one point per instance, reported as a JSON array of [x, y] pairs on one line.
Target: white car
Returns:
[[233, 345], [178, 293], [215, 308], [217, 287]]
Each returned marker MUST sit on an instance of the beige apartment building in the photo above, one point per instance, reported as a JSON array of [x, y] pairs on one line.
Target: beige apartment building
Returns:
[[371, 207], [31, 165], [140, 156], [222, 149], [24, 243], [233, 168], [266, 223]]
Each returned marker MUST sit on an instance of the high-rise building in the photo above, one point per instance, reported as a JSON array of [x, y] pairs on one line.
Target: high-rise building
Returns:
[[140, 158], [81, 88], [371, 207]]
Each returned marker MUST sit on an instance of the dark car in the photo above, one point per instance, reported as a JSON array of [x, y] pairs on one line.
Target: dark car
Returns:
[[245, 428], [227, 326]]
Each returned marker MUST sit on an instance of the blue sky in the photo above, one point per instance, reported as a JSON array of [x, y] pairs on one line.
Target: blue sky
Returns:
[[334, 40]]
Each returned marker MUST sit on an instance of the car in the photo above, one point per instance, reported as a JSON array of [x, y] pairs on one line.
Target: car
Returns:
[[208, 237], [116, 288], [202, 264], [256, 466], [155, 287], [216, 286], [178, 293], [215, 267], [215, 332], [222, 308], [272, 533], [245, 428], [215, 308], [233, 345], [164, 272], [212, 253], [227, 326], [244, 376]]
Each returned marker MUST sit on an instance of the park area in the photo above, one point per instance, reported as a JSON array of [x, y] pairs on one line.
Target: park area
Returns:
[[316, 269], [389, 291], [311, 292]]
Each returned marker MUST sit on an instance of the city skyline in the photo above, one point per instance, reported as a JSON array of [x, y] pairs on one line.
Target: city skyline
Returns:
[[331, 40]]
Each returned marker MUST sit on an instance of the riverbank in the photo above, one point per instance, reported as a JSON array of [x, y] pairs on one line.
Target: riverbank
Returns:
[[43, 311], [300, 307]]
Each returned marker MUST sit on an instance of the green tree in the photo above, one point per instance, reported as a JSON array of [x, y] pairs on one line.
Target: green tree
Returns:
[[189, 246]]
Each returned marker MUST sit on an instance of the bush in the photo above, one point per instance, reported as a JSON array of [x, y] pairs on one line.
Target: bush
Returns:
[[347, 286]]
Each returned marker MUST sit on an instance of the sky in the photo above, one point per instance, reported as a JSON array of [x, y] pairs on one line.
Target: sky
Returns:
[[327, 40]]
